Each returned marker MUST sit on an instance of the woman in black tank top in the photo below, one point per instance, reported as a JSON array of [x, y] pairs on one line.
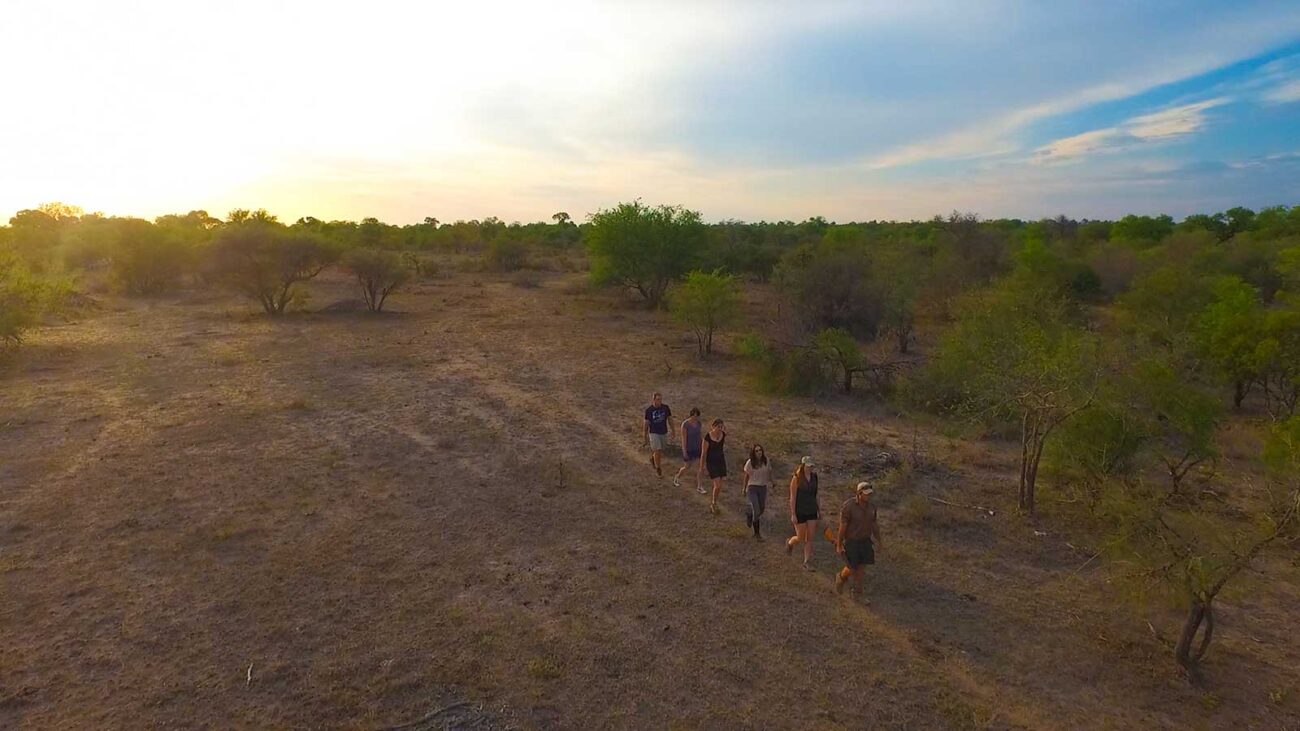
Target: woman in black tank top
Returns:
[[804, 511], [715, 460]]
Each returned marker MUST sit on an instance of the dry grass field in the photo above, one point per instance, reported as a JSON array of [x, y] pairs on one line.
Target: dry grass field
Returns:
[[214, 519]]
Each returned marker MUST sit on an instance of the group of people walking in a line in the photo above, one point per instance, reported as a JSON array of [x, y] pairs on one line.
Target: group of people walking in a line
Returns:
[[704, 452]]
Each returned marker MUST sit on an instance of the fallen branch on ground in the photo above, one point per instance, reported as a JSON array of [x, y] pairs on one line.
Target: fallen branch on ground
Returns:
[[426, 718], [980, 508]]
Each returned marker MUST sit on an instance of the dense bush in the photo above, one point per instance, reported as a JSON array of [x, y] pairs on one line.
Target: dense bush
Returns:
[[266, 263], [506, 254], [25, 296], [379, 273], [781, 368], [644, 249], [145, 260], [705, 302], [831, 286]]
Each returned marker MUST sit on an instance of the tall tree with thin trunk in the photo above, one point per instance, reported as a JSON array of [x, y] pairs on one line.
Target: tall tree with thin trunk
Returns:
[[705, 302], [1016, 355]]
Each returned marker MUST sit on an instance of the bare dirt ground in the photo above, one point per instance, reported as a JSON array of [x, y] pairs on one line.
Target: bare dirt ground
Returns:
[[212, 519]]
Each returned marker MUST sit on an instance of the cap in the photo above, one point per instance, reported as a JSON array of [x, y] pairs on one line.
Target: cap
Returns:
[[865, 487]]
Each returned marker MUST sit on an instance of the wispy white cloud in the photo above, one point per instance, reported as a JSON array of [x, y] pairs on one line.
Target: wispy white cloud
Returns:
[[1162, 126], [1285, 93]]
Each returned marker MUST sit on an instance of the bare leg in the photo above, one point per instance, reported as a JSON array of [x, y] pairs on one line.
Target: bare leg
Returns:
[[717, 490], [800, 531], [809, 530]]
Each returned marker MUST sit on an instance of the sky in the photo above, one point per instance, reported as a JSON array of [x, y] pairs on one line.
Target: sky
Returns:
[[756, 110]]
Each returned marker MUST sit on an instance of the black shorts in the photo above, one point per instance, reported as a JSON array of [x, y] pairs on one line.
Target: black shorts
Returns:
[[802, 518], [716, 471], [859, 553]]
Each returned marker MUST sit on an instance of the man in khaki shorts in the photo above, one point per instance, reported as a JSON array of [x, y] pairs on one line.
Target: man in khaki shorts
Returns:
[[858, 528], [655, 431]]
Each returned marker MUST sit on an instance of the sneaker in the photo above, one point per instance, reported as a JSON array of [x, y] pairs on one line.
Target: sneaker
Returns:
[[701, 490], [840, 580]]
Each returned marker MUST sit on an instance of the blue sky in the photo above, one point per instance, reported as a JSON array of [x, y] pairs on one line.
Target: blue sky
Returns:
[[755, 110]]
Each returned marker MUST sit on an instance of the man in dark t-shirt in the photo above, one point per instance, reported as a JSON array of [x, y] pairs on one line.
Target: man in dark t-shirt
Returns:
[[858, 528], [654, 432]]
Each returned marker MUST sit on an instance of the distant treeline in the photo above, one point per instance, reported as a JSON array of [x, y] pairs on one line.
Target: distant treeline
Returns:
[[64, 237]]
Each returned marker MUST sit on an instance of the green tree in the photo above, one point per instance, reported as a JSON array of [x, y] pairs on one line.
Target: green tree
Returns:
[[1228, 332], [705, 302], [899, 272], [643, 248], [379, 273], [840, 349], [1015, 355], [1181, 420], [1142, 231], [1189, 552], [267, 263], [1277, 360], [1162, 306]]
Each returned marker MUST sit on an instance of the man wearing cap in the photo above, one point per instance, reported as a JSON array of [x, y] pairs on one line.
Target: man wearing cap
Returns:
[[858, 528]]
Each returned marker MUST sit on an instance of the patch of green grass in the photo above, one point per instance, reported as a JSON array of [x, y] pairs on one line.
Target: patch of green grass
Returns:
[[544, 669], [1211, 701], [916, 509]]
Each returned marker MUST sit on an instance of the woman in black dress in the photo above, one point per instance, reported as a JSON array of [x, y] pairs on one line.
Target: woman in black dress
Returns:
[[804, 511], [714, 460]]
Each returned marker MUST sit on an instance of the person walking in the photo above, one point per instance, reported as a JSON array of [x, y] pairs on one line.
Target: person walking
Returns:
[[654, 430], [758, 475], [804, 510], [692, 447], [858, 529], [714, 460]]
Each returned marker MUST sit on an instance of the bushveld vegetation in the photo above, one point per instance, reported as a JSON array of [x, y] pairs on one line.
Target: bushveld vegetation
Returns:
[[1114, 353]]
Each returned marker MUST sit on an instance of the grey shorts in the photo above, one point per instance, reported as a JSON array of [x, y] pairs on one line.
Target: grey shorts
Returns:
[[658, 442]]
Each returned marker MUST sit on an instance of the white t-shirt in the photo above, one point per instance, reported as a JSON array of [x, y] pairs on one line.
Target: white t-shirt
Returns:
[[760, 475]]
